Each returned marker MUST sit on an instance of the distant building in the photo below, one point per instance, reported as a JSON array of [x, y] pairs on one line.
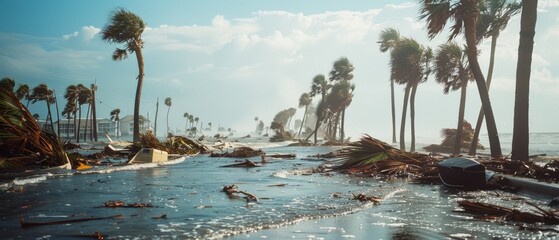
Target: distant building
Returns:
[[104, 125], [127, 125]]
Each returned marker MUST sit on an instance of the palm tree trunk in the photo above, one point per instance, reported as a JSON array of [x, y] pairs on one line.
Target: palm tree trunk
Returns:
[[473, 145], [168, 109], [155, 123], [140, 58], [470, 32], [57, 115], [79, 123], [412, 117], [86, 124], [49, 116], [403, 123], [520, 134], [460, 127], [316, 126], [303, 121], [393, 111], [342, 133]]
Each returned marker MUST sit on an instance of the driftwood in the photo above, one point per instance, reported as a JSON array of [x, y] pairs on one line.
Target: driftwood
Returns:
[[239, 152], [247, 163], [230, 190], [284, 156], [364, 198], [121, 204], [25, 224], [491, 211]]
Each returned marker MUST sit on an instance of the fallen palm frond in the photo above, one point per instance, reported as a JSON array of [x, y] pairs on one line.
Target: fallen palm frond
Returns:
[[240, 152], [22, 141], [529, 169], [173, 145], [370, 155], [491, 211]]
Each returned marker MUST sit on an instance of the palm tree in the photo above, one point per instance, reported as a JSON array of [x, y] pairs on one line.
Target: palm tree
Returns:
[[464, 13], [387, 40], [84, 96], [196, 119], [42, 93], [210, 125], [520, 135], [115, 117], [304, 101], [69, 112], [168, 103], [319, 86], [495, 15], [8, 84], [342, 72], [71, 96], [185, 115], [452, 70], [156, 112], [22, 91], [126, 27], [409, 65]]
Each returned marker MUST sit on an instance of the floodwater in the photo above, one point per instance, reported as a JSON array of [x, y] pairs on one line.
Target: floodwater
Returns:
[[188, 203]]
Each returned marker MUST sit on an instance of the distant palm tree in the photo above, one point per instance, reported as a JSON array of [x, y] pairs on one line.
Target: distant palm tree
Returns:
[[196, 119], [520, 134], [452, 70], [168, 103], [71, 96], [494, 17], [464, 14], [342, 74], [84, 95], [319, 86], [304, 101], [127, 28], [185, 115], [156, 112], [42, 93], [69, 112], [115, 117], [210, 125], [409, 67], [22, 91], [387, 40]]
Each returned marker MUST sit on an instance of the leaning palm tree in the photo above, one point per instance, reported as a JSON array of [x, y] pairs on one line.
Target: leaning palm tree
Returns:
[[127, 28], [42, 93], [452, 71], [387, 40], [494, 17], [168, 103], [342, 74], [68, 112], [71, 96], [520, 135], [22, 91], [115, 117], [319, 86], [464, 14], [304, 101], [186, 115], [8, 84], [408, 65]]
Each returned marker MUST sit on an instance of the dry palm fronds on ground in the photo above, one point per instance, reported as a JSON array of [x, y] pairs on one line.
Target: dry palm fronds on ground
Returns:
[[491, 211], [173, 145], [239, 152], [530, 169], [372, 156], [23, 143]]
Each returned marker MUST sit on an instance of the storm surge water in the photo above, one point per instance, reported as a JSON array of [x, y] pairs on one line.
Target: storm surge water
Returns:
[[187, 202]]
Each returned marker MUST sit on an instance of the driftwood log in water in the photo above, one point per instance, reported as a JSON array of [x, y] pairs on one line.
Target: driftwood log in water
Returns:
[[230, 190], [247, 163], [240, 152], [121, 204], [25, 224], [284, 156], [364, 198]]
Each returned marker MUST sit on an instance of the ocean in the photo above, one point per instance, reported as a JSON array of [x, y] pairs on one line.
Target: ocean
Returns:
[[186, 202]]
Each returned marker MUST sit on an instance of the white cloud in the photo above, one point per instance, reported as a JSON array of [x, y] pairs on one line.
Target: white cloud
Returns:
[[86, 33], [402, 5]]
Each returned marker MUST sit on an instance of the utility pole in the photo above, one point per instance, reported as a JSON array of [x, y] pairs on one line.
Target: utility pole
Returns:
[[94, 109]]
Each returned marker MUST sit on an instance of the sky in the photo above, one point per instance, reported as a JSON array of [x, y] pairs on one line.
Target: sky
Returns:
[[227, 62]]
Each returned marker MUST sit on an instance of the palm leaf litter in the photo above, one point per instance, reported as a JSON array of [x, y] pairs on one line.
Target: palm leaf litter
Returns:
[[23, 144]]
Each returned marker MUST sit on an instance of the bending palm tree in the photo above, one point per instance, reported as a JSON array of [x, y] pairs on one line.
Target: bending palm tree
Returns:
[[304, 101], [115, 117], [319, 86], [451, 70], [127, 28], [495, 15], [464, 13], [387, 40]]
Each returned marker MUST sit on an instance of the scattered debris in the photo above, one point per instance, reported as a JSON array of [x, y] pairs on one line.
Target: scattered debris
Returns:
[[364, 198], [121, 204], [284, 156], [230, 190], [491, 211], [239, 152], [164, 216]]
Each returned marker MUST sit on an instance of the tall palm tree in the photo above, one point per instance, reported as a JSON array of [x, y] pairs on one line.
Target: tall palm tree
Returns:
[[494, 17], [304, 101], [409, 68], [520, 135], [115, 117], [168, 103], [319, 86], [71, 96], [452, 71], [68, 112], [387, 40], [125, 27], [464, 14], [342, 73], [84, 95]]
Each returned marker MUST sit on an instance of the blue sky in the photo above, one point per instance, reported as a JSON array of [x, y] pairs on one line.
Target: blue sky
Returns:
[[227, 62]]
